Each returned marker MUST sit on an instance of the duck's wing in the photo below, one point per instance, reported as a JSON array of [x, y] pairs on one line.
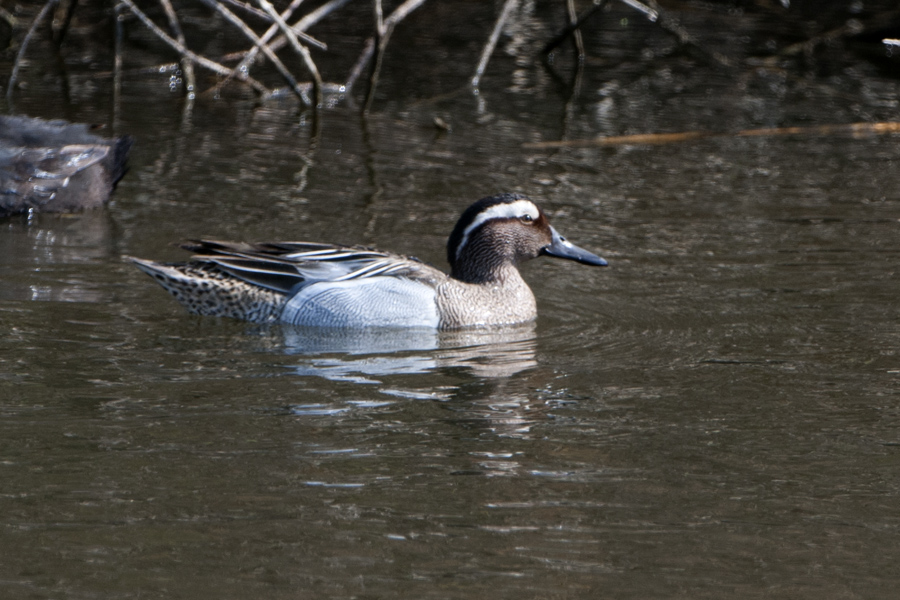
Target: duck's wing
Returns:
[[286, 266]]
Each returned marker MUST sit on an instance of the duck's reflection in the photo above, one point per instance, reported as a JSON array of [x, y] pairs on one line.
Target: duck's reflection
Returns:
[[364, 355], [505, 407], [487, 396]]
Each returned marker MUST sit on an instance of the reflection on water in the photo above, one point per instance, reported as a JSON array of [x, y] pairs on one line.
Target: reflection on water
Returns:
[[492, 356], [368, 353], [35, 253]]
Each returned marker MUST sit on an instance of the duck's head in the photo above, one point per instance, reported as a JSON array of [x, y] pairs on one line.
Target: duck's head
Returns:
[[506, 229]]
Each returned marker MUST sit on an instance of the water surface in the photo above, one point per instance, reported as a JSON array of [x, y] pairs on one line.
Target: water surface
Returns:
[[714, 415]]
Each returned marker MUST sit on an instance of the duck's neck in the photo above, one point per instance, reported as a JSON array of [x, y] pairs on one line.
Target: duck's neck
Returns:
[[483, 264], [482, 272]]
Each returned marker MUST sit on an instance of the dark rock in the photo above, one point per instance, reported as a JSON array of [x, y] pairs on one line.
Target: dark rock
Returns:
[[55, 166]]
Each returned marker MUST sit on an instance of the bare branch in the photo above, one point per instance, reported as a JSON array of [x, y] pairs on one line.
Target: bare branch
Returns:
[[181, 49], [361, 63], [250, 55], [186, 65], [299, 48], [383, 33], [402, 11], [508, 7], [239, 23], [573, 26], [34, 25]]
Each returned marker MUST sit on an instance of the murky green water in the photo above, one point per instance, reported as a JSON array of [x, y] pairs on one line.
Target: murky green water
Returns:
[[714, 415]]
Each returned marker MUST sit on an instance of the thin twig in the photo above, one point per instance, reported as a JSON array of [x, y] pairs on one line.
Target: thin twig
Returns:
[[383, 29], [579, 42], [508, 7], [21, 54], [239, 23], [655, 15], [299, 48], [651, 13], [285, 15], [569, 114], [118, 37], [9, 17], [186, 65], [311, 19], [300, 26], [573, 26], [379, 18], [180, 48], [248, 8], [402, 11], [381, 39], [361, 63], [250, 56], [60, 34]]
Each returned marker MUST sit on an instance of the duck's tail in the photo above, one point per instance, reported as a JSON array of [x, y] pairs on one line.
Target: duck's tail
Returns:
[[204, 289]]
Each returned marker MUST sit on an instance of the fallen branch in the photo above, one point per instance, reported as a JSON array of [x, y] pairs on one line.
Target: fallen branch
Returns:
[[647, 139]]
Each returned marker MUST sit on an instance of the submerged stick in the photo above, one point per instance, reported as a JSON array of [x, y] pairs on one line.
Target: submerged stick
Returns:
[[854, 129], [492, 41], [21, 54]]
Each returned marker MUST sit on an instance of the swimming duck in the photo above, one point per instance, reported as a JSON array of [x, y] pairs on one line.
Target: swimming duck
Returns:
[[56, 166], [326, 285]]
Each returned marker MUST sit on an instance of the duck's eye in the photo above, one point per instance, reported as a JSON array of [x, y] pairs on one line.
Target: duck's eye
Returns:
[[526, 218]]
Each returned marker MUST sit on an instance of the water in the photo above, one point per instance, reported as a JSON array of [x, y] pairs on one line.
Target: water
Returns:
[[713, 415]]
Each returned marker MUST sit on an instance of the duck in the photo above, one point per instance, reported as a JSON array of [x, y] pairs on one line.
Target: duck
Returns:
[[57, 166], [329, 285]]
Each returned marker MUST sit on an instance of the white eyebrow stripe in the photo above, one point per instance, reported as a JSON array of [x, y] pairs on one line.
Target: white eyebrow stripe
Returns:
[[511, 210]]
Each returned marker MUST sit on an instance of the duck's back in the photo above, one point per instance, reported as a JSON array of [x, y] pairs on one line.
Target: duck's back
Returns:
[[301, 283]]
